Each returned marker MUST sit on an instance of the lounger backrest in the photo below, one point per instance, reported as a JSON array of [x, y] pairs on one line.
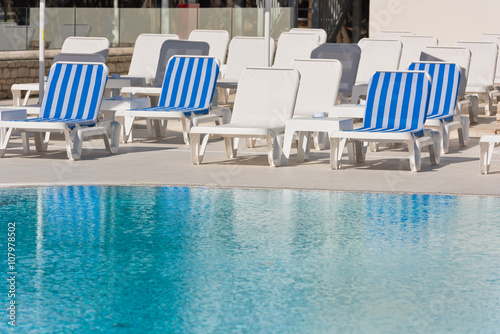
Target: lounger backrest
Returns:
[[482, 65], [485, 37], [319, 85], [413, 47], [265, 97], [246, 52], [397, 100], [189, 82], [444, 89], [146, 55], [294, 45], [74, 91], [377, 55], [458, 55], [217, 39], [98, 45], [348, 55], [174, 47], [79, 58], [393, 34], [320, 32]]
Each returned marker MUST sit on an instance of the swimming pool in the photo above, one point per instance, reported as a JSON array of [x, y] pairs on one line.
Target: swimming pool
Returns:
[[164, 259]]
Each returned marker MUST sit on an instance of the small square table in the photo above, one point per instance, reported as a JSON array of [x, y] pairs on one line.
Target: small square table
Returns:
[[306, 125]]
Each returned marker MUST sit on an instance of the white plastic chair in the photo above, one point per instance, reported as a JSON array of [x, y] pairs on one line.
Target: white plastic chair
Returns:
[[217, 39], [294, 45], [482, 72], [376, 55], [413, 47], [265, 99], [320, 32]]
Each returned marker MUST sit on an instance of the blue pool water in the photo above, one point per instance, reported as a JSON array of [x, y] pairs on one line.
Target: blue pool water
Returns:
[[195, 260]]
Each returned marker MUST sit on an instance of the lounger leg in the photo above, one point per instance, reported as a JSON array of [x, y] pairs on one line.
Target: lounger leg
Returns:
[[157, 127], [195, 149], [360, 149], [41, 143], [463, 133], [231, 148], [250, 142], [77, 145], [26, 142], [115, 128], [274, 150], [445, 135], [486, 152], [374, 147], [186, 126], [335, 162], [128, 122], [434, 150], [3, 144], [475, 105], [415, 155], [303, 142]]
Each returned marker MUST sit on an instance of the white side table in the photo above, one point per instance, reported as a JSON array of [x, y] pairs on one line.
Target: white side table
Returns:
[[10, 114], [306, 125], [110, 105], [117, 82]]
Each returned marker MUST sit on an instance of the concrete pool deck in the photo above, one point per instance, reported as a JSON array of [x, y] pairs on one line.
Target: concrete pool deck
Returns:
[[167, 161]]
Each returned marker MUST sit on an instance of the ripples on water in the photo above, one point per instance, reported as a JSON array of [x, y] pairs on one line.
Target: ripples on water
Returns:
[[139, 259]]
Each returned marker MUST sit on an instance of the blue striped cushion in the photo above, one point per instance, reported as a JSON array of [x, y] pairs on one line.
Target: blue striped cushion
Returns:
[[74, 92], [396, 102], [186, 111], [189, 82], [444, 89]]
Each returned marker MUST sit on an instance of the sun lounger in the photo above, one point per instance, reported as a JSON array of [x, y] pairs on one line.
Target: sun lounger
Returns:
[[265, 99], [293, 46], [187, 91], [395, 112], [320, 32], [69, 106], [217, 39], [413, 47], [442, 101]]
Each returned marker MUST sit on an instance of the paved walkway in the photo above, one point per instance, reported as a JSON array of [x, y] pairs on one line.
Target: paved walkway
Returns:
[[166, 161]]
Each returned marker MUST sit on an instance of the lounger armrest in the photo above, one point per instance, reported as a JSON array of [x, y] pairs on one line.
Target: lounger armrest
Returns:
[[347, 110]]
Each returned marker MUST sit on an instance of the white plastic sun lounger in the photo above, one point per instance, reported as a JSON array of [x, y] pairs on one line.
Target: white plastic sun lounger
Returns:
[[376, 55], [442, 101], [413, 47], [462, 57], [395, 112], [487, 37], [320, 32], [294, 45], [318, 90], [76, 45], [69, 106], [187, 91], [265, 99], [482, 72], [217, 39], [394, 34]]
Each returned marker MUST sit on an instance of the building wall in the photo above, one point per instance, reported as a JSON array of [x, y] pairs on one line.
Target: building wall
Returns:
[[448, 20]]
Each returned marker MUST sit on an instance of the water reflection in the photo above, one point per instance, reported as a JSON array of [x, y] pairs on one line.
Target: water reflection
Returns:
[[139, 259]]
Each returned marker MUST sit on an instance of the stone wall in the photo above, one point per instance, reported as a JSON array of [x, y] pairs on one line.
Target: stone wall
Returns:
[[22, 66]]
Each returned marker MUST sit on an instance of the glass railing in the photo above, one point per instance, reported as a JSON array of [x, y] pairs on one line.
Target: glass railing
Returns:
[[19, 29]]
